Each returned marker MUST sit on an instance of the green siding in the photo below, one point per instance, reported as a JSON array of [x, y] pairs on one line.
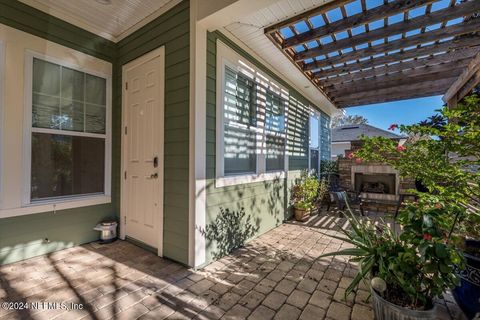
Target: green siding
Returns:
[[171, 30], [22, 17], [266, 202], [23, 237]]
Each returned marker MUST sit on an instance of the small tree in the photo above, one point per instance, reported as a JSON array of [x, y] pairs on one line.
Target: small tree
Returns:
[[445, 159], [343, 120]]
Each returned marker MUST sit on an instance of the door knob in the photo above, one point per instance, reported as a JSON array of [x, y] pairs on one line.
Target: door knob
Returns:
[[154, 176]]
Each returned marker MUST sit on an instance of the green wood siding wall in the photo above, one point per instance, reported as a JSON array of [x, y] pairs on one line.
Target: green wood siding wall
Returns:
[[172, 30], [23, 237], [266, 202]]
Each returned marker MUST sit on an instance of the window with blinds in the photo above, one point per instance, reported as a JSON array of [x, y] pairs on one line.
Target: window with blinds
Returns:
[[254, 123]]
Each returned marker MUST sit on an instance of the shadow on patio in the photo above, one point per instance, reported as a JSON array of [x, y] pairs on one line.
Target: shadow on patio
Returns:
[[275, 275]]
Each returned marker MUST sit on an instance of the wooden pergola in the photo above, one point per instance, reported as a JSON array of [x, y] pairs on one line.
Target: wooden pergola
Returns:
[[396, 50]]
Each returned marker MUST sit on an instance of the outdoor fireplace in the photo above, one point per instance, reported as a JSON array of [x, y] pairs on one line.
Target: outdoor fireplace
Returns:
[[381, 183]]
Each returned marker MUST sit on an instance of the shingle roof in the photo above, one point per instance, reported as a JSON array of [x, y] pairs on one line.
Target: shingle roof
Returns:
[[354, 131]]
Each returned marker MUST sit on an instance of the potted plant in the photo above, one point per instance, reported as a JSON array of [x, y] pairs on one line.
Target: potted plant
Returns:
[[304, 196], [443, 152], [408, 270]]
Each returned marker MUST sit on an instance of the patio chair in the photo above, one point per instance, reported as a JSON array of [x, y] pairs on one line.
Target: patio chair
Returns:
[[341, 196]]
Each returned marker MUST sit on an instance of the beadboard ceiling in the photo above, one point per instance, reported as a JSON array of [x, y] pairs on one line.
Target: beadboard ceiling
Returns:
[[249, 30], [113, 21]]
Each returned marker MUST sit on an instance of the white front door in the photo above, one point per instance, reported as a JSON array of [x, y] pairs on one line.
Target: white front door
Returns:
[[143, 109]]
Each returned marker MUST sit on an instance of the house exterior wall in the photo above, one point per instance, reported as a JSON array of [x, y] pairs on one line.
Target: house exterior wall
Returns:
[[339, 148], [171, 30], [265, 202], [23, 27]]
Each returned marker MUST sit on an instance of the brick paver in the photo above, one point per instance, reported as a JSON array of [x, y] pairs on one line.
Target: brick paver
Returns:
[[276, 276]]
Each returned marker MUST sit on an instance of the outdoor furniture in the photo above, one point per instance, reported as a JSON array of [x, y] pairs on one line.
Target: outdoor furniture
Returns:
[[340, 196]]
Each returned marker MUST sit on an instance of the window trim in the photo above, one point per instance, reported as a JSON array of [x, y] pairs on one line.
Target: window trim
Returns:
[[72, 201], [2, 110], [225, 58]]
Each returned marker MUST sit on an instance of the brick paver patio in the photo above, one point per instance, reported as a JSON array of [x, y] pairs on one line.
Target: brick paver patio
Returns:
[[276, 276]]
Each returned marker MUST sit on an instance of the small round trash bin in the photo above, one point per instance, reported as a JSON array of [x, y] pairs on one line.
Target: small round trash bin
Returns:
[[108, 231]]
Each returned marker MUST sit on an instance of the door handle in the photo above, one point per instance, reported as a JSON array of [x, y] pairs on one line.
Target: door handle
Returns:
[[155, 162], [154, 176]]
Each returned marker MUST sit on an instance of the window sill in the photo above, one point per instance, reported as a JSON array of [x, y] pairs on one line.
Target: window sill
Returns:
[[55, 206], [248, 178]]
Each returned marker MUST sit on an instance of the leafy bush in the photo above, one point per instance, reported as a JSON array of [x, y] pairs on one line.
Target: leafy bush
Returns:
[[328, 167], [417, 265], [444, 154], [304, 193]]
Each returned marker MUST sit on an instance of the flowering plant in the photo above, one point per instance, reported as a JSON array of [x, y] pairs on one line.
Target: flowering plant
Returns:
[[443, 152], [416, 265]]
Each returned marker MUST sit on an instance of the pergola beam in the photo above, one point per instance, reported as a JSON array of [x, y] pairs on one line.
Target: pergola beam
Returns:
[[438, 84], [426, 61], [464, 42], [407, 77], [402, 96], [467, 74], [307, 14], [460, 10], [420, 63], [374, 14], [401, 60]]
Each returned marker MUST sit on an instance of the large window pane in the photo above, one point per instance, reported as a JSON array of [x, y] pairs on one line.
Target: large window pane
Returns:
[[72, 115], [239, 104], [45, 111], [275, 158], [46, 77], [314, 132], [275, 112], [95, 90], [239, 155], [314, 161], [95, 119], [73, 84], [66, 165]]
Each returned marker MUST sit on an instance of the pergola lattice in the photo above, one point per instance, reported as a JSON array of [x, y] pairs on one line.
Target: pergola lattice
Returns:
[[370, 51]]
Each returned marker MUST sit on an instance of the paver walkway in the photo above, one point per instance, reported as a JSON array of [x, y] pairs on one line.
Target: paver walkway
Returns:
[[276, 276]]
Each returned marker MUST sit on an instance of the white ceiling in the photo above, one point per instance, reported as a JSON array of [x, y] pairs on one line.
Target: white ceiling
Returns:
[[113, 21], [249, 31]]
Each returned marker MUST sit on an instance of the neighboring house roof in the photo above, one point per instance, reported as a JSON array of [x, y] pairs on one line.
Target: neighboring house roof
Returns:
[[353, 132]]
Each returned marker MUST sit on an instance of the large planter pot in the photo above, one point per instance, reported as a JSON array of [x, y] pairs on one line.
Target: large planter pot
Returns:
[[385, 310], [467, 294], [302, 214]]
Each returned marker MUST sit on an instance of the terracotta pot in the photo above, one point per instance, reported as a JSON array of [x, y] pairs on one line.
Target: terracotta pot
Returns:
[[385, 310], [302, 214]]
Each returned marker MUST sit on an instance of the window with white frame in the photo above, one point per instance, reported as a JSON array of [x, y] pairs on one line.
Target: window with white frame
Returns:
[[69, 132], [252, 122], [314, 146]]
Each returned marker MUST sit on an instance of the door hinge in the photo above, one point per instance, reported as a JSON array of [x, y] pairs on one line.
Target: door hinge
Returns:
[[125, 175], [124, 219], [126, 85], [126, 130]]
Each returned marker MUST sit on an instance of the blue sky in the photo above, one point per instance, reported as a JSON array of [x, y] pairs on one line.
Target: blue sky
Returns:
[[382, 115]]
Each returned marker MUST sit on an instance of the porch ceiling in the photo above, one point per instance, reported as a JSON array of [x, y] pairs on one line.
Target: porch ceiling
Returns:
[[112, 19], [362, 52]]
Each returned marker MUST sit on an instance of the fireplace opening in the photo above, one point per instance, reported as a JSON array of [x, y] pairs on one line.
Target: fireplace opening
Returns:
[[381, 183]]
